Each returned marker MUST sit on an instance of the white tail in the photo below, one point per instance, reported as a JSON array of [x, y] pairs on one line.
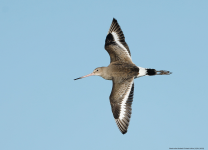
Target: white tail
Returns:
[[151, 72]]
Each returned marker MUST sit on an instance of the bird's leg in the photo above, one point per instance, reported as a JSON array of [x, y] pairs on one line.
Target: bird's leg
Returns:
[[163, 72]]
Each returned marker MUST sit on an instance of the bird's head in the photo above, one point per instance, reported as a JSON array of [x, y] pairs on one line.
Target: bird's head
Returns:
[[96, 72]]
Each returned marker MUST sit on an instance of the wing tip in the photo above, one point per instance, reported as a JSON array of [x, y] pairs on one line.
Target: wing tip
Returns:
[[122, 127], [124, 132], [114, 26], [114, 19]]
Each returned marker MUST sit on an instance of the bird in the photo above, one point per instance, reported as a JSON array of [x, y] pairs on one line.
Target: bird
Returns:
[[122, 71]]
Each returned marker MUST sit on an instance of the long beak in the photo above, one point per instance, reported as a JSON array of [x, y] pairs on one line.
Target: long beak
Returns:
[[91, 74]]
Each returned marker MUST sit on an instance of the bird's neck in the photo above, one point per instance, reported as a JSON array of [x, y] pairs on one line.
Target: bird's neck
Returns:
[[106, 74]]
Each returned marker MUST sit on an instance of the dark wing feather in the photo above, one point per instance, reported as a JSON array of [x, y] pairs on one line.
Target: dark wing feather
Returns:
[[115, 44], [121, 99]]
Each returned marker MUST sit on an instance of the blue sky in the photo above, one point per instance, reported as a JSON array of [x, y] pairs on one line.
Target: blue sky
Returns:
[[44, 45]]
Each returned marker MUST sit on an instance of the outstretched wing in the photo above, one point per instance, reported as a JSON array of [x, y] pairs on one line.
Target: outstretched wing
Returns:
[[121, 99], [115, 44]]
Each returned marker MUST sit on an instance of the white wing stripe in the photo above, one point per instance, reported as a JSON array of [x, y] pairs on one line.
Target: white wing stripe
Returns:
[[123, 104], [120, 44]]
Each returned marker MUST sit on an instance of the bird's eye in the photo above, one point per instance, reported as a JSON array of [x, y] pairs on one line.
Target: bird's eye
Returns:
[[97, 70]]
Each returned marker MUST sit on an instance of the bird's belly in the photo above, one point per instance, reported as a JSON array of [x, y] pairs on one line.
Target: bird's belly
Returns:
[[126, 70], [124, 73], [121, 70]]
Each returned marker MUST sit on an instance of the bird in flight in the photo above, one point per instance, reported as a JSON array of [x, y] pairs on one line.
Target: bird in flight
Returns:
[[122, 71]]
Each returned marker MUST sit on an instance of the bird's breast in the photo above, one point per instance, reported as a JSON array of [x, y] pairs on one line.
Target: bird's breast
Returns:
[[122, 70]]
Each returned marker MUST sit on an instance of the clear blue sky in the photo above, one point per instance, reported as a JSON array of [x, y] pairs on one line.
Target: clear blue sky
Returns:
[[44, 45]]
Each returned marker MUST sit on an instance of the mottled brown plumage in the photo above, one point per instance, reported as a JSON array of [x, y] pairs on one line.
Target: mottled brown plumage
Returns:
[[122, 71]]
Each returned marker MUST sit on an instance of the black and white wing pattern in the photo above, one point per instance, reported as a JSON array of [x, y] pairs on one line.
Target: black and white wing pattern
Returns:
[[121, 99], [115, 44]]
